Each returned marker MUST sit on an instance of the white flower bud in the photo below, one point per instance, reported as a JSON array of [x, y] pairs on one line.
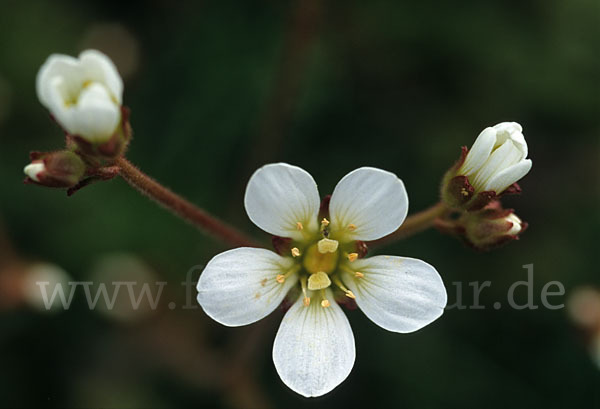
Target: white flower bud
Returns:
[[497, 159], [83, 94]]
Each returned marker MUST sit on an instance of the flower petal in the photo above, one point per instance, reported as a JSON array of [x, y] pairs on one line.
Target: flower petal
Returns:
[[503, 179], [62, 66], [507, 155], [279, 196], [479, 152], [98, 67], [374, 201], [314, 348], [399, 294], [513, 131], [238, 287], [96, 116]]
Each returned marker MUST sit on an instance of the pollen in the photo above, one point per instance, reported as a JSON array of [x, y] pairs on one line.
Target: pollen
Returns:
[[350, 294], [318, 281], [358, 274], [352, 257], [264, 282], [299, 226], [324, 222], [464, 192], [352, 227], [325, 303], [295, 252], [327, 246], [306, 301], [280, 278]]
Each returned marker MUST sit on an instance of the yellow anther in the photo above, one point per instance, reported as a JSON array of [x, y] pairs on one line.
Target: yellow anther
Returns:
[[358, 274], [342, 287], [280, 278], [324, 301], [327, 246], [263, 282], [318, 281], [306, 300], [352, 227], [295, 252], [352, 257], [324, 222], [299, 226], [464, 192]]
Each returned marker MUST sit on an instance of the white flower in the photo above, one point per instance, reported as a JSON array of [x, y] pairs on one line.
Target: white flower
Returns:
[[497, 159], [84, 94], [314, 347]]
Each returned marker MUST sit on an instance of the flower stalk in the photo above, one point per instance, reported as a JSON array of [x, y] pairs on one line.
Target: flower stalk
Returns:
[[414, 224], [181, 207]]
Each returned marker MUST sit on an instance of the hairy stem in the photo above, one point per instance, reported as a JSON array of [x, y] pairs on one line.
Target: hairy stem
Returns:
[[413, 224], [181, 207]]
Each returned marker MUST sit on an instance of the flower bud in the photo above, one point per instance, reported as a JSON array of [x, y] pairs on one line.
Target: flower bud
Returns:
[[491, 227], [84, 95], [55, 169], [493, 165]]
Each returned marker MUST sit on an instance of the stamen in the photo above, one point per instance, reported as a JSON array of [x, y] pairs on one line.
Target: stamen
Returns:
[[352, 227], [352, 257], [324, 223], [280, 278], [299, 226], [306, 300], [356, 274], [325, 302], [327, 246], [342, 287], [295, 252], [318, 281]]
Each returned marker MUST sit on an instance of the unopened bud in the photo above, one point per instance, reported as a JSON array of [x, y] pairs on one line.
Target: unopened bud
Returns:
[[493, 165], [491, 227], [60, 169]]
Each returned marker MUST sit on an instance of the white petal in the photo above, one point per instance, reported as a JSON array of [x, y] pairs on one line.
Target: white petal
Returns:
[[314, 348], [34, 169], [96, 116], [503, 179], [513, 131], [399, 294], [479, 152], [61, 66], [373, 200], [238, 287], [279, 196], [502, 158], [98, 67]]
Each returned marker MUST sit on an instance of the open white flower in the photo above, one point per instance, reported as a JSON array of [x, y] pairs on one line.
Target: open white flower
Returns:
[[314, 347], [497, 159], [84, 94]]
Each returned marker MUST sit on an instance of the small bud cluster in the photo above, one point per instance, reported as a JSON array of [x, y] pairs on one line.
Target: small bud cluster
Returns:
[[472, 188], [84, 97]]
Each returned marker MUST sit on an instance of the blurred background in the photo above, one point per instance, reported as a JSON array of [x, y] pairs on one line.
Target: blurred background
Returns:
[[218, 89]]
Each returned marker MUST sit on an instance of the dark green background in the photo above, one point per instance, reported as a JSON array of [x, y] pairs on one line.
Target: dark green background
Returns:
[[222, 88]]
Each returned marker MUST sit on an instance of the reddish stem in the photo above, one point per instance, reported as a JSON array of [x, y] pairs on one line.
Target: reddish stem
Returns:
[[180, 206], [413, 224]]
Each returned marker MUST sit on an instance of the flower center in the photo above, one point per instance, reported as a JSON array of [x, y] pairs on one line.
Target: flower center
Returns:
[[320, 258]]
